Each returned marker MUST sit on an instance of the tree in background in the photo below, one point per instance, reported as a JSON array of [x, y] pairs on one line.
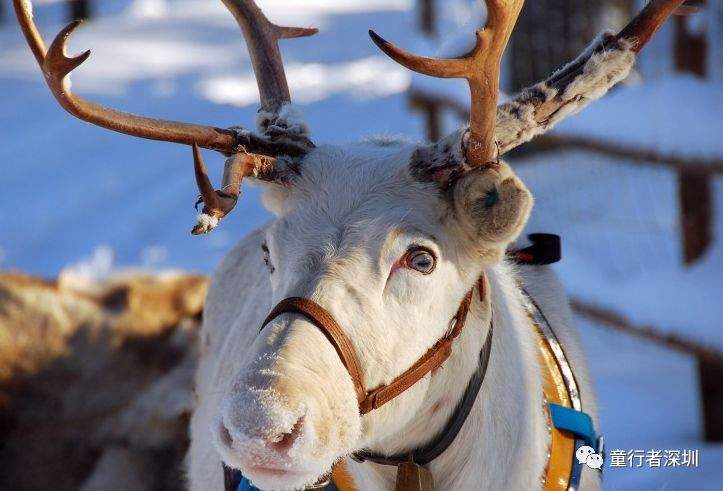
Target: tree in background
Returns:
[[79, 9]]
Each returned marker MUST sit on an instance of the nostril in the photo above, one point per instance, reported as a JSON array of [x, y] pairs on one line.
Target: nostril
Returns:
[[284, 441]]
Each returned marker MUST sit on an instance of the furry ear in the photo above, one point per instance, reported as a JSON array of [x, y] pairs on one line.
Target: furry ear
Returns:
[[274, 198], [276, 191], [490, 203]]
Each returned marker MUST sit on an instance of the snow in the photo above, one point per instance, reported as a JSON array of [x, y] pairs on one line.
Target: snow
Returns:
[[78, 195], [314, 82], [620, 224]]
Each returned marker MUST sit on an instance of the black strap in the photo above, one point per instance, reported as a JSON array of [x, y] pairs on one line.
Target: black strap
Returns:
[[231, 478], [545, 249], [445, 438]]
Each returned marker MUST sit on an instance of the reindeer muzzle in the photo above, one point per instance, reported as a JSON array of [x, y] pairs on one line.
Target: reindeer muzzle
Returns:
[[373, 399]]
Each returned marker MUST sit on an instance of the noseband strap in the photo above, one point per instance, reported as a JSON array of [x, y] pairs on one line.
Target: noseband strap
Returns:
[[325, 322]]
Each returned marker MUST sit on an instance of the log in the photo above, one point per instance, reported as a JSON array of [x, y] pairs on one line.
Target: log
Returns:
[[608, 318]]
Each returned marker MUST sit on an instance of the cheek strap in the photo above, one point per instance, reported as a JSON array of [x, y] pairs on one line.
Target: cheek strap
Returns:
[[325, 322]]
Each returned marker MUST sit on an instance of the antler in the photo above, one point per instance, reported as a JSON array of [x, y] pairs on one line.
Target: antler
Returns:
[[537, 109], [481, 68], [262, 39], [258, 151], [56, 66], [219, 203]]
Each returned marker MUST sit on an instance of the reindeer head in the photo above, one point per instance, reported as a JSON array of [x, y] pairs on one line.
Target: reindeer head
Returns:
[[387, 239]]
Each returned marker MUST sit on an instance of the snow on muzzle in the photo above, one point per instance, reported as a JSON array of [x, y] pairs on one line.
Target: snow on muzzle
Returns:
[[292, 411]]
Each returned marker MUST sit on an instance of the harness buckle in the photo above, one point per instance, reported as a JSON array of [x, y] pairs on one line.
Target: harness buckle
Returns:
[[452, 325]]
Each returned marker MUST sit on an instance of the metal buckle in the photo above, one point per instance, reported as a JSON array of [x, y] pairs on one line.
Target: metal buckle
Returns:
[[452, 325], [322, 483], [601, 450]]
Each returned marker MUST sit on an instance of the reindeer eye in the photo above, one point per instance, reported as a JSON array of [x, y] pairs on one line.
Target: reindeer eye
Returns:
[[267, 258], [422, 260]]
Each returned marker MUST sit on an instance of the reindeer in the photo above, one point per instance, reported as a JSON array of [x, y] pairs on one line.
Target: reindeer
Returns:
[[403, 336]]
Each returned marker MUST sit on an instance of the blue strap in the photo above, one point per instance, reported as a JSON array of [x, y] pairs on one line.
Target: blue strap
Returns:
[[245, 485], [576, 422]]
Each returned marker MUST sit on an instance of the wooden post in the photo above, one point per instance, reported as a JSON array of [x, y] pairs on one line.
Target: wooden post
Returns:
[[79, 9], [696, 202], [690, 47], [696, 217], [711, 386], [428, 17], [694, 188], [548, 34], [432, 112]]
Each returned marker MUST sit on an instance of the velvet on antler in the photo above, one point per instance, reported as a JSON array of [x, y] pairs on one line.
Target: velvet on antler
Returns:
[[494, 130]]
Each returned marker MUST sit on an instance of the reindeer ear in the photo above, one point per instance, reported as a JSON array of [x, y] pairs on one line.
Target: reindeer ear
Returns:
[[277, 190], [490, 203]]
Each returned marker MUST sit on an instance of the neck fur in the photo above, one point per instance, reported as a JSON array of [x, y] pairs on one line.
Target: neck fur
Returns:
[[503, 442]]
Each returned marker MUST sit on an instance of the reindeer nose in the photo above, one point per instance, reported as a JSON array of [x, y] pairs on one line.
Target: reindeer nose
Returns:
[[282, 442], [272, 444]]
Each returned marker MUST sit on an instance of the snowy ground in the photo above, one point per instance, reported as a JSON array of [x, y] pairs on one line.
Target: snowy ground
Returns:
[[76, 193]]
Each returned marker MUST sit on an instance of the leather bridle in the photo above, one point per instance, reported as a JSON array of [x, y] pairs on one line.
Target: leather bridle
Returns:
[[431, 360], [373, 399]]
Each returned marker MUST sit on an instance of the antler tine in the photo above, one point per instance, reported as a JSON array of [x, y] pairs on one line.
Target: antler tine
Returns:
[[219, 203], [649, 20], [203, 182], [434, 67], [56, 67], [481, 68], [262, 38]]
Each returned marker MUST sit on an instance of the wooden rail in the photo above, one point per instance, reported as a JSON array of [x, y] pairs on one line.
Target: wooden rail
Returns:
[[709, 361], [616, 321]]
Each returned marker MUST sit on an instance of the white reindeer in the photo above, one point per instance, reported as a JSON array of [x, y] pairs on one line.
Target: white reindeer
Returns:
[[397, 253]]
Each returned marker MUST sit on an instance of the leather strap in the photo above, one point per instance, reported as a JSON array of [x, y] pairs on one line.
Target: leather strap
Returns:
[[324, 321], [441, 442]]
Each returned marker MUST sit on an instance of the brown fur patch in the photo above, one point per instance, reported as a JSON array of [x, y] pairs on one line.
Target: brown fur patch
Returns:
[[79, 374]]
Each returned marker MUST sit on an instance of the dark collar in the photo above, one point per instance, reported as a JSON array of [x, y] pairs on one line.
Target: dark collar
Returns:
[[444, 439]]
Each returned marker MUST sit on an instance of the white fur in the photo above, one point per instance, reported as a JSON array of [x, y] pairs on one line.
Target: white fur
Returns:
[[349, 216], [290, 118], [208, 222]]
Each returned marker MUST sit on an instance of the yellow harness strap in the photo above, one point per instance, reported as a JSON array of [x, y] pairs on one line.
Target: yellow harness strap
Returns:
[[562, 444], [341, 477]]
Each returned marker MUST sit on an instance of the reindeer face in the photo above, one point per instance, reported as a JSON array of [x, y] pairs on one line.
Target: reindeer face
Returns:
[[387, 238], [389, 243]]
